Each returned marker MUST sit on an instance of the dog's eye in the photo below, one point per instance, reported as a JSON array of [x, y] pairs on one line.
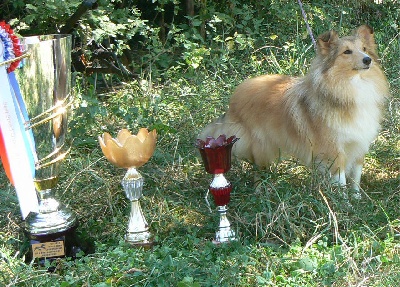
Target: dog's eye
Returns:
[[365, 49], [348, 52]]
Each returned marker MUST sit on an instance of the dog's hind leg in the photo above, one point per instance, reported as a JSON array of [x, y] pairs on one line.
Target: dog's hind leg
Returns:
[[258, 179], [339, 178]]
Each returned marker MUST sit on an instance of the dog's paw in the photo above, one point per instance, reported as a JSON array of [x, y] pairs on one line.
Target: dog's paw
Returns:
[[354, 191], [338, 180], [355, 194]]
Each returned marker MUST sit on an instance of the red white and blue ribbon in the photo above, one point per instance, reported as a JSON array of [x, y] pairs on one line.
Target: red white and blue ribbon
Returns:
[[17, 150]]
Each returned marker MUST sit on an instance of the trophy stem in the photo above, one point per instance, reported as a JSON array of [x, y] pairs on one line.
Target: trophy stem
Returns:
[[47, 203], [53, 217], [138, 229], [225, 233], [221, 189]]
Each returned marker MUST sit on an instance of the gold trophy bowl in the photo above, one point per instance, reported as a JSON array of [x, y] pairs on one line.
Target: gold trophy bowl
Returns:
[[131, 152]]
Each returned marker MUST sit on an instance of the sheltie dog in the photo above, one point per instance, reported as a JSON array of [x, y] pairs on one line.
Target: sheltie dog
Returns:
[[329, 116]]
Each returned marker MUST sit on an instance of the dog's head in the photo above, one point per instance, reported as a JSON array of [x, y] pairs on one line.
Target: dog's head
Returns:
[[354, 53]]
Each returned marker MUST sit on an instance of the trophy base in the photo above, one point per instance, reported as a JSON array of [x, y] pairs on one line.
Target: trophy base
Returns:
[[51, 233], [139, 239], [51, 246], [52, 236], [224, 236]]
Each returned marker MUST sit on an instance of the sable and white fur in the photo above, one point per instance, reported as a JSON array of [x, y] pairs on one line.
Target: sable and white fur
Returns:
[[331, 115]]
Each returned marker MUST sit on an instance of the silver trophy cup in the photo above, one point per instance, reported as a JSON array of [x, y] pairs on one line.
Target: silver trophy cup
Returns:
[[45, 83]]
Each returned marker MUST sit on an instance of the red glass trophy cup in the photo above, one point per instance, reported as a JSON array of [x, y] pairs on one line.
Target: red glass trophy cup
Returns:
[[216, 156]]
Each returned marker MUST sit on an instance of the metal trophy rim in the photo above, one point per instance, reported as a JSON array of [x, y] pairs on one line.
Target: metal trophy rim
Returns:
[[25, 54]]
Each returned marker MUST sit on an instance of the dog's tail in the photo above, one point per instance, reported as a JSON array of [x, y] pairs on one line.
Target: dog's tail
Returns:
[[225, 125], [220, 126]]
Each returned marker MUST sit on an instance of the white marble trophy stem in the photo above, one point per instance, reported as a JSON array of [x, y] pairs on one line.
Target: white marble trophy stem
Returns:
[[138, 229]]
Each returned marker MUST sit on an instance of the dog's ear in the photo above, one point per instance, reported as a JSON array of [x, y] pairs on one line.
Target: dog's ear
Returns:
[[326, 41], [366, 33]]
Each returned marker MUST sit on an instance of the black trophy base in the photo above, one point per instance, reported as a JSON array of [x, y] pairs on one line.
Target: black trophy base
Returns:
[[52, 246]]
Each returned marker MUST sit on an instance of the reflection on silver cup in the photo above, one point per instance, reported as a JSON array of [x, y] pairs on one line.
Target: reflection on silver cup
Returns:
[[45, 82]]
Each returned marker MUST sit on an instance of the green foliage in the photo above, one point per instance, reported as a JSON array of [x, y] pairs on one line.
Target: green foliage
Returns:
[[42, 16], [295, 229]]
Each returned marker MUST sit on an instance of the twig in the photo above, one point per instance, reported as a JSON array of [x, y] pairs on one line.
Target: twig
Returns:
[[335, 223], [307, 25]]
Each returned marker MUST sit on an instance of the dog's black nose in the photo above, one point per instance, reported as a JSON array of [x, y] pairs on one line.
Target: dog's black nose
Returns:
[[367, 61]]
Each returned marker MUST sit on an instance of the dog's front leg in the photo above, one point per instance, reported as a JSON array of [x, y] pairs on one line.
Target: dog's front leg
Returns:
[[338, 171], [354, 175]]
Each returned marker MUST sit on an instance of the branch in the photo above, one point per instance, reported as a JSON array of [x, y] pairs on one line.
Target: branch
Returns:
[[82, 8]]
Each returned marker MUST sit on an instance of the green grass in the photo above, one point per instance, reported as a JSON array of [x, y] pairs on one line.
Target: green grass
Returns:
[[294, 229]]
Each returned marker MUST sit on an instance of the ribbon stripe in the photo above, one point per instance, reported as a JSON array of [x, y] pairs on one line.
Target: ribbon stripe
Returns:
[[17, 146]]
